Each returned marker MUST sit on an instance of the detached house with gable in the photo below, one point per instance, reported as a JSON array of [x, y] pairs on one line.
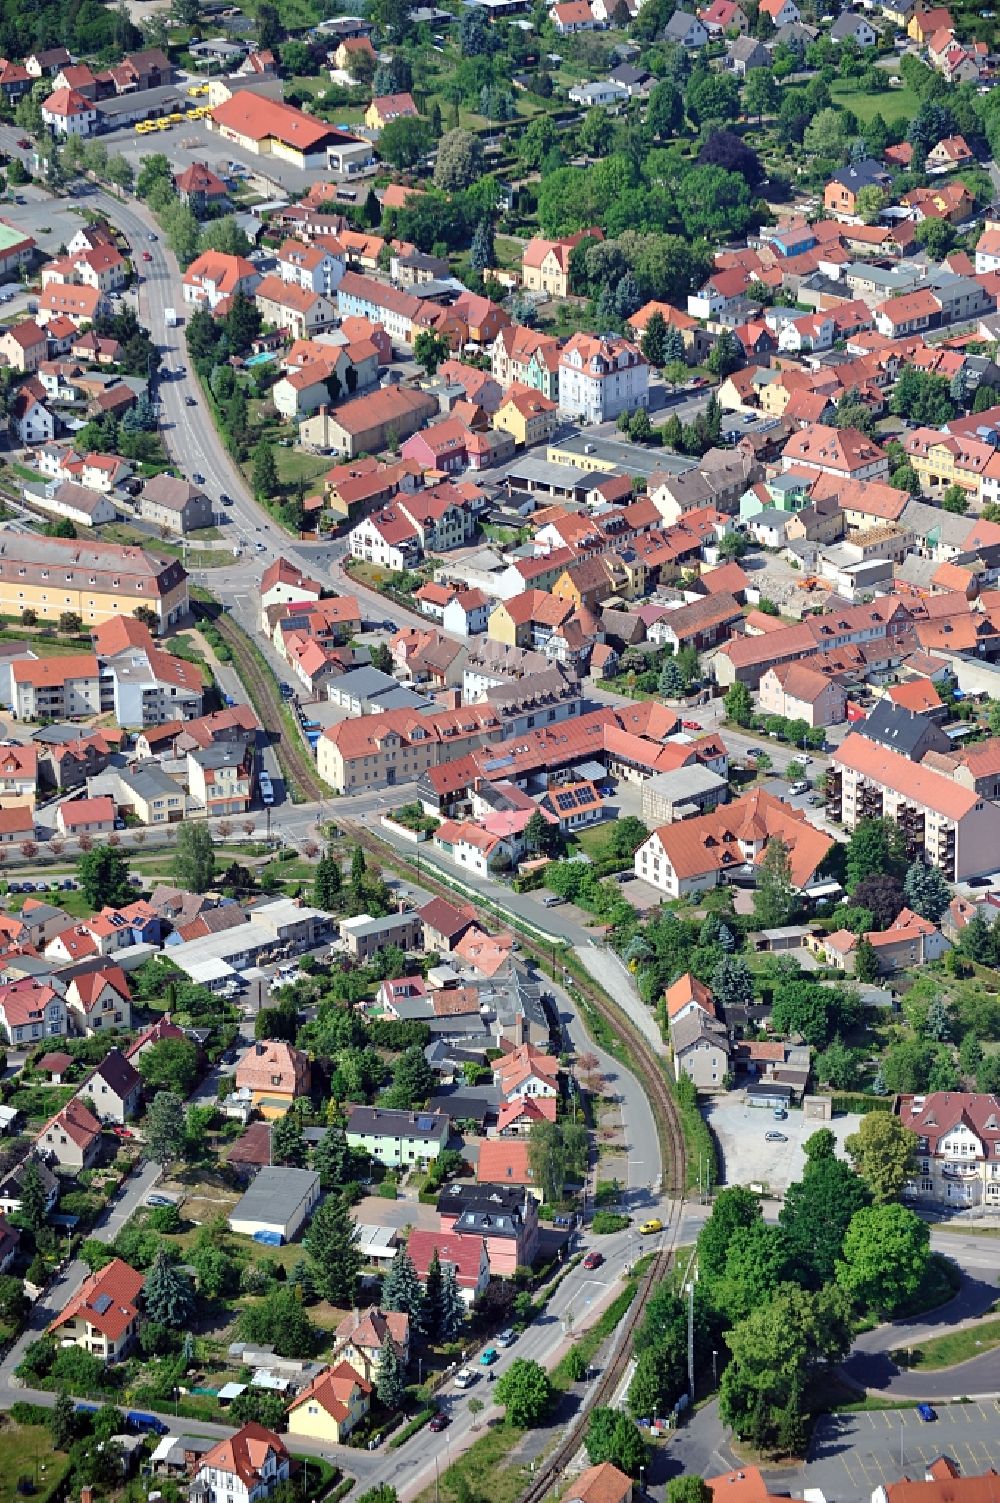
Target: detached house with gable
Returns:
[[957, 1162], [103, 1316], [246, 1468]]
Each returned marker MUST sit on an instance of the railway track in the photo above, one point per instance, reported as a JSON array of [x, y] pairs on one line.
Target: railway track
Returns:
[[672, 1158], [294, 755]]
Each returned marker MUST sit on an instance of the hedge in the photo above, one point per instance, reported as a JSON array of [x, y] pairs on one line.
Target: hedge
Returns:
[[417, 1423], [862, 1104]]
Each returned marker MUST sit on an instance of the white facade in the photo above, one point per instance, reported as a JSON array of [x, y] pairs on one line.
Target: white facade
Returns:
[[368, 542], [81, 122], [595, 389], [36, 425]]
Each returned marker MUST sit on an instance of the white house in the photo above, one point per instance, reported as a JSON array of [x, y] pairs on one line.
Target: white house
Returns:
[[686, 30], [246, 1468], [600, 377], [310, 266], [35, 423], [387, 538], [67, 113], [605, 92], [813, 331], [467, 613]]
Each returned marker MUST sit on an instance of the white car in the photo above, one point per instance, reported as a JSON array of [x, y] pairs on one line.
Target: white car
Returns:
[[465, 1377]]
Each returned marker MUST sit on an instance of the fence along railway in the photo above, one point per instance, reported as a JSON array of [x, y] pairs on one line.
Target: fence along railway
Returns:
[[672, 1156]]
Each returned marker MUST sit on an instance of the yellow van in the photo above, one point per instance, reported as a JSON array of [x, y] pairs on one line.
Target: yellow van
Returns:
[[651, 1226]]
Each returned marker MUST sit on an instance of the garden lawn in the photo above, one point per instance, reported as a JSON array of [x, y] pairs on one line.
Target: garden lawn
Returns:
[[24, 1450], [295, 464], [892, 105]]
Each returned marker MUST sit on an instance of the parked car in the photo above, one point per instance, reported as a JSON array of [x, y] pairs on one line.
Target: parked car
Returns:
[[691, 725], [488, 1356], [24, 143], [593, 1259], [465, 1377], [507, 1338], [155, 1199], [439, 1421], [122, 1132], [775, 1137], [926, 1413]]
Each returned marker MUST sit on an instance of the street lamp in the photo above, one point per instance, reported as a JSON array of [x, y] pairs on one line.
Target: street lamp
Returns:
[[715, 1370]]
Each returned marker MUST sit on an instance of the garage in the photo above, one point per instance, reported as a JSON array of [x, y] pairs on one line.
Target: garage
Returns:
[[768, 1094], [275, 1206]]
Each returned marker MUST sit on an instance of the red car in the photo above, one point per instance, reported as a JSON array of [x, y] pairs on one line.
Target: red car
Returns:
[[440, 1421], [593, 1260], [123, 1132], [24, 143], [146, 256], [691, 725]]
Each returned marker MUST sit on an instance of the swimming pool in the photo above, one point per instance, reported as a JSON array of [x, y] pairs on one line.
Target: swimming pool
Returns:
[[262, 359]]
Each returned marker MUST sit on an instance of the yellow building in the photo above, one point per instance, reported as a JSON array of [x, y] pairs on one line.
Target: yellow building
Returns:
[[330, 1408], [275, 1074], [97, 581], [528, 416]]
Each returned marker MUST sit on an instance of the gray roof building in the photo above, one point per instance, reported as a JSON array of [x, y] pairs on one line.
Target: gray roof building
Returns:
[[902, 731], [381, 1122], [277, 1203]]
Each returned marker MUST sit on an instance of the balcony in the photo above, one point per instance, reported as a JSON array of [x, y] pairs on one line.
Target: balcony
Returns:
[[961, 1171]]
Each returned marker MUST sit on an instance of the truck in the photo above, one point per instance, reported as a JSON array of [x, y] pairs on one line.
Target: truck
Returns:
[[170, 318]]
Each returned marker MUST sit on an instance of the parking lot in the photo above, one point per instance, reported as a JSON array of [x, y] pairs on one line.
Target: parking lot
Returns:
[[852, 1454], [52, 222], [747, 1157]]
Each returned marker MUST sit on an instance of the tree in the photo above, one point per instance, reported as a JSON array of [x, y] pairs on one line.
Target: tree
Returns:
[[732, 984], [882, 896], [327, 882], [103, 877], [70, 624], [164, 1128], [270, 31], [613, 1436], [34, 1208], [413, 1080], [194, 857], [692, 1489], [671, 681], [429, 349], [774, 896], [664, 110], [870, 202], [459, 161], [873, 849], [405, 142], [938, 1025], [452, 1306], [927, 893], [865, 961], [280, 1320], [62, 1421], [725, 355], [482, 252], [886, 1250], [170, 1065], [734, 1208], [433, 1303], [288, 1146], [654, 339], [907, 1065], [739, 704], [556, 1151], [401, 1289], [816, 1214], [168, 1295], [265, 471], [882, 1152], [525, 1392], [390, 1385], [333, 1252]]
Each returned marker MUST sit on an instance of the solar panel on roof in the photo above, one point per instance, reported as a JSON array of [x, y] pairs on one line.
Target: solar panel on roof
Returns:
[[103, 1303], [425, 1123]]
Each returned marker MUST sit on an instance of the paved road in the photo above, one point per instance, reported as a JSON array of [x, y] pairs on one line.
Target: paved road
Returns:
[[137, 1187]]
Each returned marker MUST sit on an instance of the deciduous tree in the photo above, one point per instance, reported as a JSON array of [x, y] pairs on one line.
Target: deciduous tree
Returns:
[[886, 1250], [882, 1151]]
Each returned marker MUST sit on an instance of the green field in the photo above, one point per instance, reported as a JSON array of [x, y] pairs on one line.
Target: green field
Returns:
[[25, 1450], [893, 105]]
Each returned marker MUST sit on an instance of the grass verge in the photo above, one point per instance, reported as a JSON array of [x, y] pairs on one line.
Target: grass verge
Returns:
[[948, 1351]]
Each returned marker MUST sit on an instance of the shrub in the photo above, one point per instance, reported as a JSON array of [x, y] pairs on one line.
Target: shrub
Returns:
[[605, 1222]]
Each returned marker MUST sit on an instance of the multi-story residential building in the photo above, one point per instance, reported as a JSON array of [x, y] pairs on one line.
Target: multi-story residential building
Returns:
[[524, 356], [367, 424], [86, 816], [275, 1075], [200, 188], [67, 112], [398, 1139], [95, 580], [97, 994], [387, 538], [284, 583], [246, 1468], [147, 686], [220, 777], [175, 504], [298, 310], [31, 1010], [944, 824], [332, 1405], [366, 936], [24, 346], [313, 267], [799, 692], [103, 1315], [602, 377], [213, 277], [844, 452], [394, 309], [506, 1217], [18, 776], [72, 1138], [362, 1337], [687, 857], [957, 1155], [55, 688], [443, 516], [545, 263]]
